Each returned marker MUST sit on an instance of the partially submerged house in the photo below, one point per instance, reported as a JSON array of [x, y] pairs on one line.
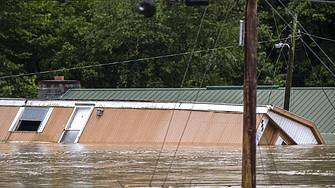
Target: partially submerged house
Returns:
[[313, 103], [123, 122]]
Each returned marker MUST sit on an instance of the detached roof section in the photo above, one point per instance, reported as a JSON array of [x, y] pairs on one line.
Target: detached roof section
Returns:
[[313, 103]]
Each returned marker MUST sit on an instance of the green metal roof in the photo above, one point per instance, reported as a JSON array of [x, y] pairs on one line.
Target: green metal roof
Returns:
[[312, 103]]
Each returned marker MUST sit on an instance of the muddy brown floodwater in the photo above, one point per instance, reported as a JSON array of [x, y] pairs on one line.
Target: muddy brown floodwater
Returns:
[[97, 165]]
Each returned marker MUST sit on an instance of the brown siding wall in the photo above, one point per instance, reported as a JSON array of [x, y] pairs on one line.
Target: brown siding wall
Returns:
[[7, 115], [150, 126], [52, 130], [137, 126], [269, 136]]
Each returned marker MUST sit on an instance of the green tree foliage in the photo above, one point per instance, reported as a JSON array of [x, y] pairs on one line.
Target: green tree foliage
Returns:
[[39, 36], [16, 25]]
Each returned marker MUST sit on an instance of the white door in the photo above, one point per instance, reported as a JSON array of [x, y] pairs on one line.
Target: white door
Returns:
[[76, 124], [80, 118]]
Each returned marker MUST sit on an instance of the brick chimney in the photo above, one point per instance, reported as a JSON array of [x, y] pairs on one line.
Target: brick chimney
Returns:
[[50, 89]]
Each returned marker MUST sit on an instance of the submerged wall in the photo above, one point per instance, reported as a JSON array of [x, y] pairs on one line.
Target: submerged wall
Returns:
[[148, 123], [52, 131], [7, 115], [150, 126]]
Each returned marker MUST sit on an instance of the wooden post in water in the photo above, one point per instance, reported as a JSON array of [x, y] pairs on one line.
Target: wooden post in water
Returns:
[[290, 67], [250, 86]]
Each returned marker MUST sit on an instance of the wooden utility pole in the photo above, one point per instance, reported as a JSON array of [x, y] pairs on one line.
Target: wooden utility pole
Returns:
[[250, 86], [290, 67]]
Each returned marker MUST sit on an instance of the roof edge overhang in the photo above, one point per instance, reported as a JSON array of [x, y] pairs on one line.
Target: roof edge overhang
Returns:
[[302, 121], [217, 107]]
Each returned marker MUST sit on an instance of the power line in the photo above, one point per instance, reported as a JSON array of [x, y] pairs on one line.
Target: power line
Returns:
[[288, 10], [181, 1], [278, 14], [323, 38], [115, 63], [310, 62], [318, 1], [195, 42], [302, 39], [305, 45], [274, 74], [271, 51], [318, 57], [181, 86], [128, 61], [231, 5], [224, 21]]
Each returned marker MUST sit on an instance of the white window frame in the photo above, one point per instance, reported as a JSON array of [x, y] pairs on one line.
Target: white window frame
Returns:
[[16, 120]]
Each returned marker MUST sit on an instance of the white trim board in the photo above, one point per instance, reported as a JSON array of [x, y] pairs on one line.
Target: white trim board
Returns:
[[219, 107]]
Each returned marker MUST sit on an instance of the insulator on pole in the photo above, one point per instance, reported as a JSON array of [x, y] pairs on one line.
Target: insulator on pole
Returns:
[[242, 33]]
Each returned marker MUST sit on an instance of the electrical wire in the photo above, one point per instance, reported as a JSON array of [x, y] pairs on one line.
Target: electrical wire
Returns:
[[313, 1], [224, 21], [323, 38], [301, 39], [310, 49], [272, 157], [305, 45], [168, 128], [127, 61], [277, 13], [115, 63], [276, 23], [194, 44], [231, 6], [178, 145], [274, 75], [288, 10], [272, 50], [197, 94], [164, 140], [286, 60], [261, 157], [260, 71], [310, 62], [319, 1]]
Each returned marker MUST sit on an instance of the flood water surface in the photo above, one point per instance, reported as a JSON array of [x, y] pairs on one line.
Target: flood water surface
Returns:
[[83, 165]]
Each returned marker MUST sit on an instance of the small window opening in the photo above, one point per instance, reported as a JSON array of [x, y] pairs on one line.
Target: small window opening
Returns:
[[28, 125]]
